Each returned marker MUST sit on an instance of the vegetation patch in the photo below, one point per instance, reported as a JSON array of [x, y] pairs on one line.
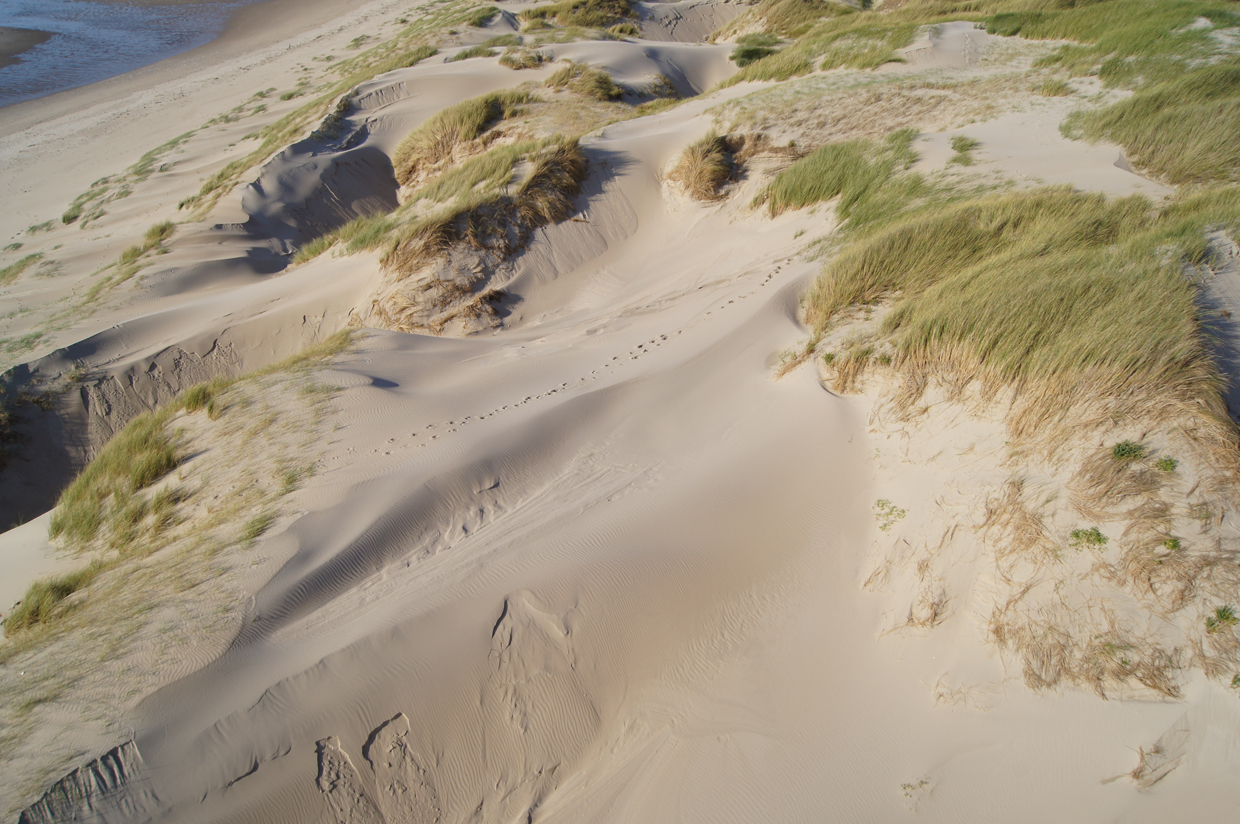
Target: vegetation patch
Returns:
[[435, 140], [963, 147], [1181, 130], [481, 50], [40, 603], [1068, 297], [861, 173], [518, 58], [586, 14], [751, 48], [707, 165], [13, 271], [587, 81], [480, 16]]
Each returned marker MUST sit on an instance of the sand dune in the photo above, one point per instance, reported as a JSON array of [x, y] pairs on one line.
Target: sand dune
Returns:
[[593, 562]]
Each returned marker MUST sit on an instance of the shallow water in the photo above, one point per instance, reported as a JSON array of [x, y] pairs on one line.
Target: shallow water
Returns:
[[95, 41]]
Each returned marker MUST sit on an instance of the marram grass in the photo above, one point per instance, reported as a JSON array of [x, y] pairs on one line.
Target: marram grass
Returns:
[[1068, 297]]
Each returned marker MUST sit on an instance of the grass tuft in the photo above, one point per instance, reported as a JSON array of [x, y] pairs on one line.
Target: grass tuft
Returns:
[[1127, 451], [13, 271], [434, 141], [521, 58], [587, 81], [587, 14], [41, 600], [859, 172], [481, 50]]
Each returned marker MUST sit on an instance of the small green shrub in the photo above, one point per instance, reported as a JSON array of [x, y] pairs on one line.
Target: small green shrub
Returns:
[[503, 41], [1172, 544], [1091, 537], [1127, 451], [1223, 617], [858, 172], [1167, 464], [135, 458]]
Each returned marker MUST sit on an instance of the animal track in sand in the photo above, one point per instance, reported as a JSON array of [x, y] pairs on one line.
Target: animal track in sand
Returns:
[[636, 353]]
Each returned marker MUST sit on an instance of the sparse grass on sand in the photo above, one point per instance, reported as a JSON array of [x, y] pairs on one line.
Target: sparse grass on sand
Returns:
[[586, 80], [106, 506], [518, 58], [481, 50], [1126, 42], [13, 271], [434, 141]]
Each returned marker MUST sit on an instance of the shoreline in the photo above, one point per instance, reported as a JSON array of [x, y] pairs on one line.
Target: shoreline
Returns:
[[14, 42], [250, 27]]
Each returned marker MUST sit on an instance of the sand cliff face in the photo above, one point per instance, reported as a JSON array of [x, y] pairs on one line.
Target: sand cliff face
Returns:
[[585, 550]]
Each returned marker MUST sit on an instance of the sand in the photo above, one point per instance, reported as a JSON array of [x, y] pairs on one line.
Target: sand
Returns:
[[593, 564]]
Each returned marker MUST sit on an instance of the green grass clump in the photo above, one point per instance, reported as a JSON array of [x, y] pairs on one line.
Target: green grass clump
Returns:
[[787, 18], [520, 58], [1091, 537], [1053, 88], [1128, 42], [586, 80], [1181, 130], [622, 30], [256, 526], [859, 172], [38, 605], [1066, 296], [587, 14], [753, 47], [1127, 451], [1167, 464], [434, 140], [1223, 617], [480, 16], [13, 271], [963, 147], [1172, 544], [500, 221], [481, 50], [135, 458]]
